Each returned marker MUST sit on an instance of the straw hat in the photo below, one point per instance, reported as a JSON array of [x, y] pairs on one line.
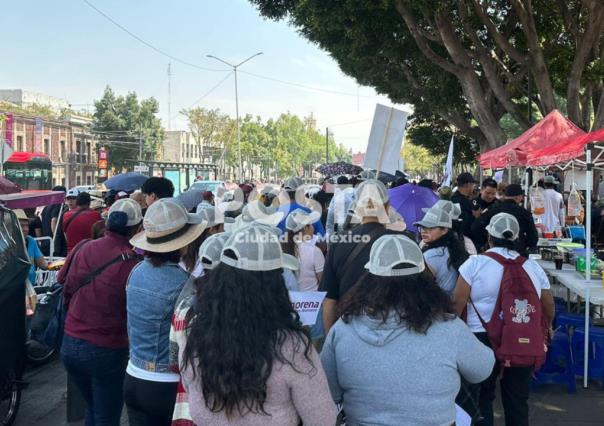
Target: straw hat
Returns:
[[168, 227]]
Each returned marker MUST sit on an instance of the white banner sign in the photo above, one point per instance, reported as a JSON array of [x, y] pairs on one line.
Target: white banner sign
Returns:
[[307, 304], [385, 139], [449, 165]]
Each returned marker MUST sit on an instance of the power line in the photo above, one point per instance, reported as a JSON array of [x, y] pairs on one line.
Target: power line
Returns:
[[149, 45], [206, 94]]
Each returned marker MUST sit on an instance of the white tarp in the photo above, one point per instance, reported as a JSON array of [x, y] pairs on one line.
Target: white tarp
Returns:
[[385, 139]]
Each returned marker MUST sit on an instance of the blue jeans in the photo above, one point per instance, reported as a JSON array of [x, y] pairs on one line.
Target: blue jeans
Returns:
[[99, 374]]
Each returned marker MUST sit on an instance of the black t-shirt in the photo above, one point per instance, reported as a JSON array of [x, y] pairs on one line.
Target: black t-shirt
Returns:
[[48, 213], [336, 281], [34, 223], [467, 218]]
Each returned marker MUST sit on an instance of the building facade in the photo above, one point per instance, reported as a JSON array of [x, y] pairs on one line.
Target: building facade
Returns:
[[67, 141]]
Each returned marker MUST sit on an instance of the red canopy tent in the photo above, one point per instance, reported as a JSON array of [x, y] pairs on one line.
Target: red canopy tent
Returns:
[[550, 130], [564, 151]]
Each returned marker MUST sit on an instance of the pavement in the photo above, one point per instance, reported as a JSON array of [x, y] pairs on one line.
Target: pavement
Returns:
[[44, 402]]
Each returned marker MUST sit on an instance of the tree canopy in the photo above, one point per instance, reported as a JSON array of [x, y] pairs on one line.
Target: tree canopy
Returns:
[[121, 122], [471, 64], [287, 145]]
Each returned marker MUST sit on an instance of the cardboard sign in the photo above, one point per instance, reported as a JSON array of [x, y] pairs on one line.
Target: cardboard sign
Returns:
[[307, 304], [385, 139]]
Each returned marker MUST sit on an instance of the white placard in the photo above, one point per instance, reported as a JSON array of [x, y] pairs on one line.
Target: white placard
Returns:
[[385, 139], [141, 168], [307, 304]]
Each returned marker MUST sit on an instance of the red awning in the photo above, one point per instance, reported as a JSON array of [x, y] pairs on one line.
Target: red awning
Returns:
[[22, 157], [564, 151], [550, 130]]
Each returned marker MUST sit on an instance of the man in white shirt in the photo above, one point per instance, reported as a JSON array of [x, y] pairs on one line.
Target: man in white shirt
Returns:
[[554, 205]]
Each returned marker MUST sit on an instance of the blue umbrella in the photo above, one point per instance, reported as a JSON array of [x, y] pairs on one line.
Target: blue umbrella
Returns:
[[126, 181], [409, 200]]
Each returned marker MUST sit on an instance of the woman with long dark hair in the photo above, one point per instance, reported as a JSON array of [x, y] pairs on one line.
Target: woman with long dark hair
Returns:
[[247, 358], [444, 253], [396, 355]]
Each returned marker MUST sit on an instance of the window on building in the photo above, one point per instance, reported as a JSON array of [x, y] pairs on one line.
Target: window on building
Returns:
[[20, 144], [88, 152], [46, 146], [62, 152], [78, 153], [78, 180], [63, 181], [88, 180]]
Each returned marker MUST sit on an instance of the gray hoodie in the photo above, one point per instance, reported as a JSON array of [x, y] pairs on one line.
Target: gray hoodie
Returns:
[[385, 374]]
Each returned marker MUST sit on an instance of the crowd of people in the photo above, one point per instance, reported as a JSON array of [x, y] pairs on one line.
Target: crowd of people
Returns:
[[182, 313]]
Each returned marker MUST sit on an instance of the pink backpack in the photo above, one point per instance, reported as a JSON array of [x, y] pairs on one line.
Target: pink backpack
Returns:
[[518, 329]]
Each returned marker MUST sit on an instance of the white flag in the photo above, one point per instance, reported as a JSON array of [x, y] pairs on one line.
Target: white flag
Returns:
[[449, 165]]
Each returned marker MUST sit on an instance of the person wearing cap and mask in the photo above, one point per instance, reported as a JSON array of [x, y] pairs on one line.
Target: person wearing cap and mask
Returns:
[[262, 369], [396, 354], [554, 216], [95, 343], [479, 281], [153, 287], [209, 258], [339, 204], [463, 195], [444, 253], [291, 186], [346, 257], [512, 204]]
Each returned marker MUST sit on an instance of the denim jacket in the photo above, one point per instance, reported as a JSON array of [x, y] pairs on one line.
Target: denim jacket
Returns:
[[151, 296]]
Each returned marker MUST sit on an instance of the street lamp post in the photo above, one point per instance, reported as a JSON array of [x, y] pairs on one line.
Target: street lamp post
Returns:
[[240, 168]]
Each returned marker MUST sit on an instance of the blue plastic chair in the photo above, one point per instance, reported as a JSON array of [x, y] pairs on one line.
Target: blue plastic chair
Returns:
[[596, 352], [558, 367]]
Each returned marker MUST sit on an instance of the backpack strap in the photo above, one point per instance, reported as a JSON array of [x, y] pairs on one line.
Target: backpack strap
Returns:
[[76, 214], [504, 261]]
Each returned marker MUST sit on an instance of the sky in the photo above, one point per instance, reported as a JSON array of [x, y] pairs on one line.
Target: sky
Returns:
[[66, 49]]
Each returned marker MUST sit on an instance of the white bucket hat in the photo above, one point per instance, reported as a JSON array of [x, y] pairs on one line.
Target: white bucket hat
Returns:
[[299, 218], [131, 208], [257, 248], [502, 222], [214, 216], [168, 227], [391, 250], [440, 215], [211, 248]]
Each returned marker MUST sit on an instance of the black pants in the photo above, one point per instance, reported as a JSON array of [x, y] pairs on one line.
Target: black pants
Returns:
[[515, 386], [149, 403]]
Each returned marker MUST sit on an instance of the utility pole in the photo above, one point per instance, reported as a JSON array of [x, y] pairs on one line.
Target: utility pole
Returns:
[[327, 145], [240, 171], [169, 94], [140, 146]]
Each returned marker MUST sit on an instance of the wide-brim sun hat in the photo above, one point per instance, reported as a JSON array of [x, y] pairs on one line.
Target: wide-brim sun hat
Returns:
[[258, 212], [20, 214], [257, 248], [502, 222], [168, 227], [299, 218], [392, 250]]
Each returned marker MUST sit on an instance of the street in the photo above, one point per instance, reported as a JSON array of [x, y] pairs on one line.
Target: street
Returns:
[[44, 402]]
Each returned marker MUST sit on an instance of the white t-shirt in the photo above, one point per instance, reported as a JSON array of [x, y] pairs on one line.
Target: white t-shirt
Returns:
[[312, 262], [197, 272], [554, 210], [484, 275]]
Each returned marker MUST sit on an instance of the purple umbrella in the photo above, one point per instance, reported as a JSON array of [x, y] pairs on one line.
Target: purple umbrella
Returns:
[[409, 200]]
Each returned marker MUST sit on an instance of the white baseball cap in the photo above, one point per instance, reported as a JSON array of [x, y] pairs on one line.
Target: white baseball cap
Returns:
[[131, 208], [256, 248], [502, 223], [293, 183], [212, 215], [392, 250], [168, 227], [72, 193], [299, 218], [370, 197], [211, 248], [440, 215]]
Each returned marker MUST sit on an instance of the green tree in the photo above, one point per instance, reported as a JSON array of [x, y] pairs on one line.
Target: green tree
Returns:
[[419, 160], [467, 62], [121, 122]]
